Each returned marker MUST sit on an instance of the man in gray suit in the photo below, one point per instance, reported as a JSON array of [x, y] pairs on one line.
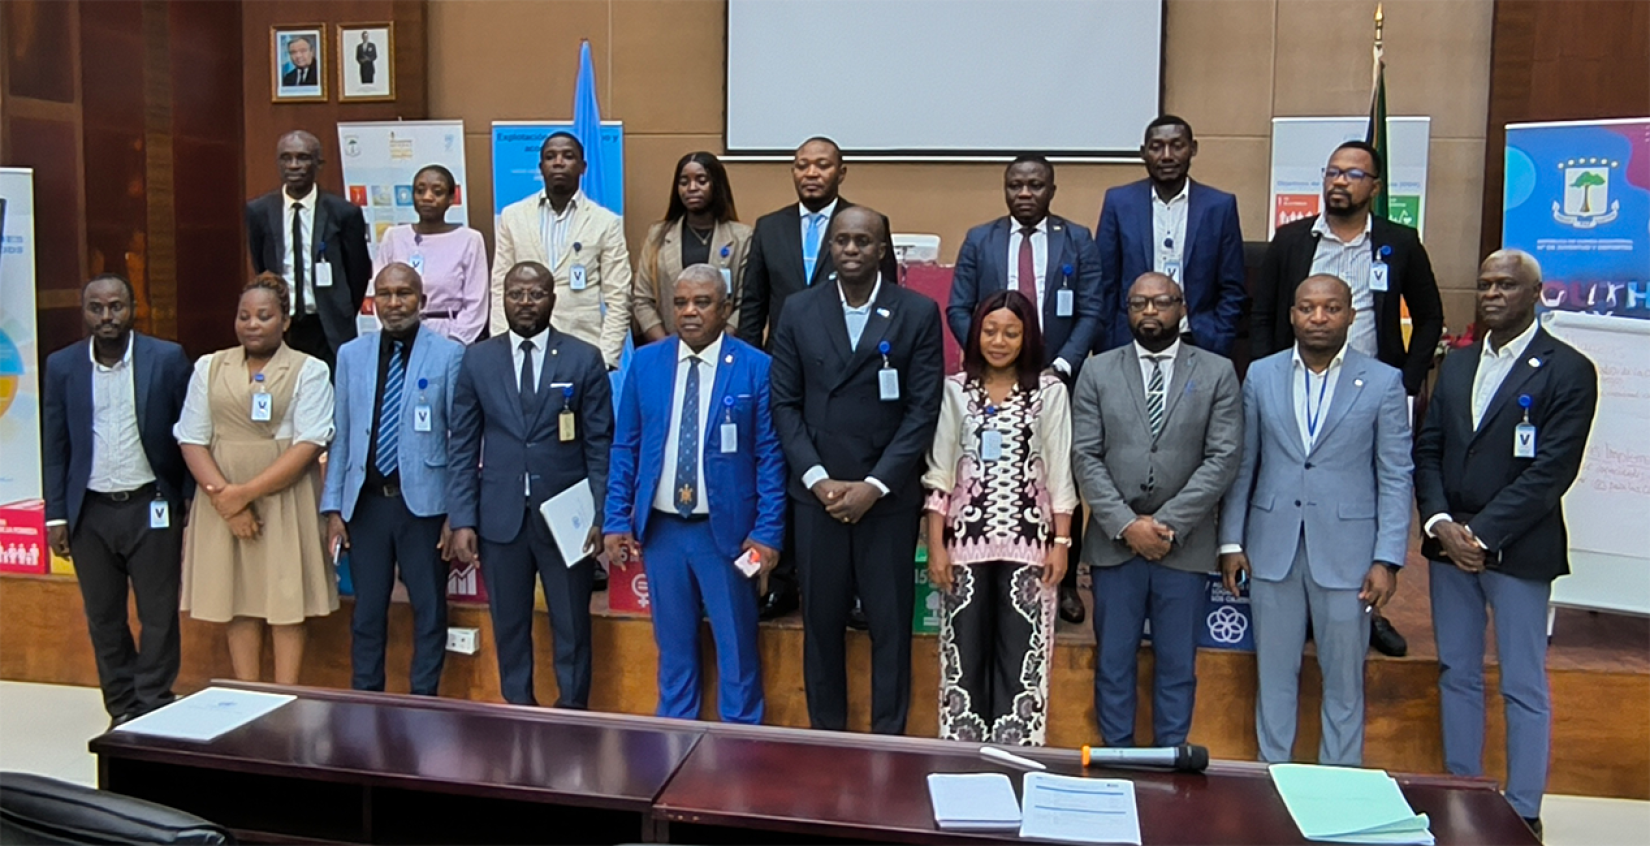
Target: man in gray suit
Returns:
[[1156, 431], [1319, 516]]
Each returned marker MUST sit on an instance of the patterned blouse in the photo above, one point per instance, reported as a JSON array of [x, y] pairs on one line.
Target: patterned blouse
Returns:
[[1001, 509]]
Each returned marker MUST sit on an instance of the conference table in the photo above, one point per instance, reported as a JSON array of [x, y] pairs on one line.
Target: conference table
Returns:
[[351, 767]]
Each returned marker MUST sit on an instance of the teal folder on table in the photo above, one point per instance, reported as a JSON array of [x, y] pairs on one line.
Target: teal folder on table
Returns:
[[1348, 805]]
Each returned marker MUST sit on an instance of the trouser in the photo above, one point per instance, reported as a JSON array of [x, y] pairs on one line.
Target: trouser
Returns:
[[1125, 596], [686, 572], [996, 642], [385, 536], [508, 569], [1459, 601], [876, 558], [112, 545], [1340, 627]]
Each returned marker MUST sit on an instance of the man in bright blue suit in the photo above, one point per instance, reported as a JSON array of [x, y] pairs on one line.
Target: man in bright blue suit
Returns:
[[385, 498], [1319, 516], [1168, 224], [697, 473]]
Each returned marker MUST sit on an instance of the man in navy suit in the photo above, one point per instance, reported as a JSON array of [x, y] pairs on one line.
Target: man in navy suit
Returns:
[[1490, 493], [116, 488], [1168, 224], [386, 490], [532, 416], [698, 475]]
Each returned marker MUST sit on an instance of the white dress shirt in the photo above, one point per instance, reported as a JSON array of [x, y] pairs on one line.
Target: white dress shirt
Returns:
[[306, 217], [118, 461], [664, 494], [1165, 363], [554, 226], [856, 318], [1039, 258], [540, 341], [1350, 261], [1169, 228]]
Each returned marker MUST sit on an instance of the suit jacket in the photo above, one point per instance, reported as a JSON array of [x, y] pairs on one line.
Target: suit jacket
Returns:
[[1190, 464], [492, 444], [1409, 276], [160, 381], [1351, 493], [1514, 505], [661, 262], [827, 404], [745, 490], [982, 269], [421, 457], [596, 241], [290, 78], [775, 271], [1212, 275], [339, 235]]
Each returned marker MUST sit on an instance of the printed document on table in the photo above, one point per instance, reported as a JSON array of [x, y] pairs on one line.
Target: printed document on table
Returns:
[[570, 514], [1079, 810], [206, 715], [974, 801], [1348, 805]]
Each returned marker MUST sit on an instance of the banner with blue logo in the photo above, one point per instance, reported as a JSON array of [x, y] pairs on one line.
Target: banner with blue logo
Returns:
[[1226, 623]]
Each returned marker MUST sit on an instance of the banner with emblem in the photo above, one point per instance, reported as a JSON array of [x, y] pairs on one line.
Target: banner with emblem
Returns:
[[1301, 148], [22, 511]]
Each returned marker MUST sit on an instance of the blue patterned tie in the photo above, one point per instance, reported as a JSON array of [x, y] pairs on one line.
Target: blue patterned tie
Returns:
[[687, 444], [810, 248], [389, 413]]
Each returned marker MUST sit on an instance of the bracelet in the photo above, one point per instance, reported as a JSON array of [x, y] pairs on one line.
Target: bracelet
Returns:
[[1062, 541]]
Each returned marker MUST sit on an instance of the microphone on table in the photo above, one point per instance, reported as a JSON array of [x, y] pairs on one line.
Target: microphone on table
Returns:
[[1185, 758]]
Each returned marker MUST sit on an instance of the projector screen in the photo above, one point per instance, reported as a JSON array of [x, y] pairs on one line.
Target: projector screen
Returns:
[[944, 77]]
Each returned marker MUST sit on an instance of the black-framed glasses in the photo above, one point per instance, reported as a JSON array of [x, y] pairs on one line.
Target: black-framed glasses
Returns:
[[1161, 303], [1353, 174]]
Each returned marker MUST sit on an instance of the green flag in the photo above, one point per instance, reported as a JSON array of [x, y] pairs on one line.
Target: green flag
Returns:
[[1375, 136]]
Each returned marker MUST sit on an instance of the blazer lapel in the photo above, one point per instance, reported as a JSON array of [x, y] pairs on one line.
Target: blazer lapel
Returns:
[[1053, 275], [1535, 357], [1283, 394], [670, 264], [278, 225], [836, 326], [1128, 367], [318, 232], [790, 243], [549, 398], [876, 329], [721, 246], [1196, 204], [578, 240], [1144, 231], [998, 274], [1184, 364], [79, 400], [141, 377], [1348, 388], [718, 391]]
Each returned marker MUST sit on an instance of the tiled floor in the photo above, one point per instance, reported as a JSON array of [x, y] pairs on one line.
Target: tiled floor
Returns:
[[44, 729]]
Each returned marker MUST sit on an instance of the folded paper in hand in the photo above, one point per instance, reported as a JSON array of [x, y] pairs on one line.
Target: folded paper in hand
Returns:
[[570, 514]]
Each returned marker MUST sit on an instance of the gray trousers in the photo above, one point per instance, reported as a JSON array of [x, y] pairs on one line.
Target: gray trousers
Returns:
[[1459, 603], [1341, 629]]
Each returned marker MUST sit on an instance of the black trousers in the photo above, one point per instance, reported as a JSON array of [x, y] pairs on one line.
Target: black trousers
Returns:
[[307, 335], [112, 546], [508, 569], [385, 536], [874, 558]]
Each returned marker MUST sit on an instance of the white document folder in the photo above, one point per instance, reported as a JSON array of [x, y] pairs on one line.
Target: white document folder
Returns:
[[570, 514]]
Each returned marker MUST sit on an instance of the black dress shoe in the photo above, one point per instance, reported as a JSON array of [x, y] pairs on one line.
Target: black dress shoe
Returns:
[[120, 719], [1535, 825], [599, 581], [776, 603], [1071, 605], [856, 618], [1385, 638]]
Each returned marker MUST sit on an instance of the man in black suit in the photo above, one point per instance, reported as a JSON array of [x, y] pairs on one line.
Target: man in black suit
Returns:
[[317, 242], [1382, 261], [1503, 440], [116, 488], [366, 55], [857, 375], [301, 53]]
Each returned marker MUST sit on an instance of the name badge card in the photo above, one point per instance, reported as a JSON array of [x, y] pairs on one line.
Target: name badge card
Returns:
[[1171, 269], [421, 418], [1377, 275], [730, 437], [575, 278], [416, 261], [566, 427], [1062, 302], [160, 514], [323, 274], [262, 404], [1524, 441], [991, 444], [887, 377]]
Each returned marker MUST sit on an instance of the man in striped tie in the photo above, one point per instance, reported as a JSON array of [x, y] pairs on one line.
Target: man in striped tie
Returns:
[[1157, 432], [385, 496]]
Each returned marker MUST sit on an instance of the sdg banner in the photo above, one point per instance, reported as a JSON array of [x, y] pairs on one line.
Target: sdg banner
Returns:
[[516, 162], [380, 160], [1301, 148], [22, 511]]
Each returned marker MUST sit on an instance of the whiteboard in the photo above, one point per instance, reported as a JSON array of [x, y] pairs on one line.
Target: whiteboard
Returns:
[[944, 77], [1605, 509]]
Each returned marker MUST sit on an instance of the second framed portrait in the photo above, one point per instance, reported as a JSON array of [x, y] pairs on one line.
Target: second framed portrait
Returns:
[[366, 61], [298, 63]]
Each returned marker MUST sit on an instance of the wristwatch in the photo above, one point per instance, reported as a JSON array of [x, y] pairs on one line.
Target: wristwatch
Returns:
[[1063, 541]]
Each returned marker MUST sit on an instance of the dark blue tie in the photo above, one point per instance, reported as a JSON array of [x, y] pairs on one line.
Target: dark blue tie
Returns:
[[389, 413], [687, 444], [529, 390]]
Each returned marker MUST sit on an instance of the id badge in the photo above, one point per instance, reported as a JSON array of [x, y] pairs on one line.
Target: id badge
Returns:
[[1524, 441], [1171, 269], [261, 405], [888, 384], [417, 262], [727, 280], [991, 444], [160, 514], [421, 418], [575, 279], [1377, 276], [566, 427], [323, 274], [730, 437], [1062, 302]]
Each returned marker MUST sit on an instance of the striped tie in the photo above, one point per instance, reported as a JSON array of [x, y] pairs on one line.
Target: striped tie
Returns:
[[389, 414], [1154, 396]]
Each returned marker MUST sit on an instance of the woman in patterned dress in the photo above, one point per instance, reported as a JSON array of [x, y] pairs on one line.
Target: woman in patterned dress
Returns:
[[1001, 498]]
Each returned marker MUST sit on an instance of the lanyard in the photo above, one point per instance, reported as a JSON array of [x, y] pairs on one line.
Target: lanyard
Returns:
[[1312, 419]]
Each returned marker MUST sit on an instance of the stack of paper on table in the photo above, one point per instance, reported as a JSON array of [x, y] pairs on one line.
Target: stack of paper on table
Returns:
[[974, 801], [1348, 805], [206, 715], [1079, 810]]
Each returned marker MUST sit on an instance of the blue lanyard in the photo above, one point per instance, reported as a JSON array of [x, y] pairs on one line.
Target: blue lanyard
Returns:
[[1312, 420]]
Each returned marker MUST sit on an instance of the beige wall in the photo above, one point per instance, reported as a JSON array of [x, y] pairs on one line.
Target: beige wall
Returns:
[[1230, 66]]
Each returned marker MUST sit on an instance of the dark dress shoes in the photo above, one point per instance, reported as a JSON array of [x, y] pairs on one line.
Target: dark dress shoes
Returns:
[[1535, 825], [776, 603], [1071, 605]]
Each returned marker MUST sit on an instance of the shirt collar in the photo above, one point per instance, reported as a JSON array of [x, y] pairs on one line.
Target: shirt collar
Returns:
[[708, 355], [125, 358], [1337, 361], [828, 211], [875, 290], [1515, 347], [1014, 226], [539, 341], [1171, 352], [573, 203], [308, 199], [1183, 196], [386, 342], [1322, 228]]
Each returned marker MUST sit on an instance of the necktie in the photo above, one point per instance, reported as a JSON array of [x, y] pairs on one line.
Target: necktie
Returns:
[[1154, 396], [298, 259], [687, 444], [810, 247], [529, 391], [389, 414], [1028, 267]]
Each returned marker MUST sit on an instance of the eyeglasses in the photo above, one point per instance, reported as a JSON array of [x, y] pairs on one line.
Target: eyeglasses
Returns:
[[1330, 174], [526, 295], [1163, 303]]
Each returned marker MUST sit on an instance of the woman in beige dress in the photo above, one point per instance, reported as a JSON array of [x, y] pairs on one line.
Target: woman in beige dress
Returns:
[[253, 426]]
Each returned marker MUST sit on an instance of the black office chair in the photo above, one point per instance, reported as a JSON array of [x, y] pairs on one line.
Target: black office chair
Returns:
[[39, 810]]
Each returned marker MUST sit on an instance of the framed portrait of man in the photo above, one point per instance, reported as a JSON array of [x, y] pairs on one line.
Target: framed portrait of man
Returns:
[[298, 63], [366, 61]]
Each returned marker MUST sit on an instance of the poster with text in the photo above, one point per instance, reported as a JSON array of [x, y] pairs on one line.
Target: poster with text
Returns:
[[382, 157], [1301, 147], [22, 511], [516, 162]]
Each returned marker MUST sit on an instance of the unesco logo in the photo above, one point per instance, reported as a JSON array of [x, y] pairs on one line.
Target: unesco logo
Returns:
[[1226, 625]]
